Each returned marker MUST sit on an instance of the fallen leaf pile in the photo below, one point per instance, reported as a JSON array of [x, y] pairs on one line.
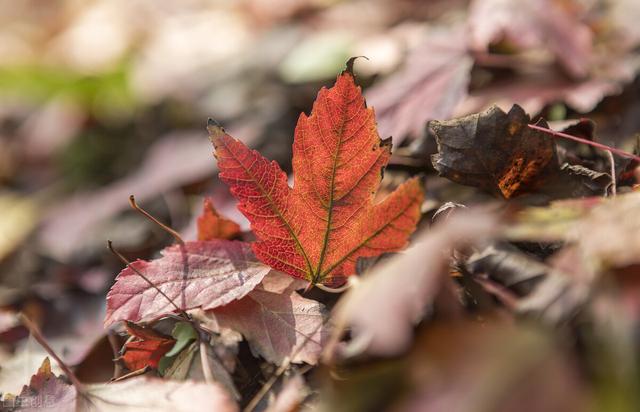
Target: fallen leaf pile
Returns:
[[463, 239]]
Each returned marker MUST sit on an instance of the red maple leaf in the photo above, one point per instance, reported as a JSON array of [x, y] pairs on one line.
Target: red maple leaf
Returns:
[[213, 226], [147, 349], [319, 228]]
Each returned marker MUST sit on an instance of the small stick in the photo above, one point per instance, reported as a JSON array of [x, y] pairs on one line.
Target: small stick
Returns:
[[113, 342], [613, 173], [351, 282], [35, 332], [585, 141], [139, 372], [204, 358], [134, 205]]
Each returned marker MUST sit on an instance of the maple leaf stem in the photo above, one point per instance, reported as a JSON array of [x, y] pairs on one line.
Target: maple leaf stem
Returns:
[[336, 290], [137, 272], [172, 232], [585, 141], [35, 332]]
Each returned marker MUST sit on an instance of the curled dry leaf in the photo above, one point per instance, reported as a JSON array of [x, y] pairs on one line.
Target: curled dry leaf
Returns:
[[277, 322], [493, 150], [213, 226], [386, 327], [317, 230], [498, 152], [196, 274], [147, 349]]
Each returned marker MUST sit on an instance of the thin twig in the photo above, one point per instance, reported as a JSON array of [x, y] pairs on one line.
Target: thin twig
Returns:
[[114, 343], [204, 358], [351, 282], [134, 205], [35, 332], [138, 372], [613, 173], [587, 142]]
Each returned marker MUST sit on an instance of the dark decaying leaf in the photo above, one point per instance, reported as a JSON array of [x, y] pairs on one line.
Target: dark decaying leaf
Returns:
[[509, 266], [493, 150], [541, 291], [203, 274], [498, 152]]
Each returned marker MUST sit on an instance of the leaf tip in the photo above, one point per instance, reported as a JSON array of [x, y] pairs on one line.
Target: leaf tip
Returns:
[[350, 62], [214, 129]]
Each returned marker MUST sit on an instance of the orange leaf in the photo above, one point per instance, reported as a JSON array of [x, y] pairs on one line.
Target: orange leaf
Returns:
[[320, 227], [213, 226], [148, 348]]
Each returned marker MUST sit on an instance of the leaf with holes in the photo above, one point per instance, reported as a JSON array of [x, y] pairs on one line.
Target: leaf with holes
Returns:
[[319, 228]]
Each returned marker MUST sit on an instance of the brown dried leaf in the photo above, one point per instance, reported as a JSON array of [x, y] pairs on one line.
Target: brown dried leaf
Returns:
[[498, 152]]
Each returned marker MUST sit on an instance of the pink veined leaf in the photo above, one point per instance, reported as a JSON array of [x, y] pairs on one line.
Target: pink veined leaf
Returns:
[[433, 81], [276, 321], [46, 391], [152, 394], [201, 274]]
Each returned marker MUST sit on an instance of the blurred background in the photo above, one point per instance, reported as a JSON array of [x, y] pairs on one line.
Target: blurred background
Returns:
[[106, 98]]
